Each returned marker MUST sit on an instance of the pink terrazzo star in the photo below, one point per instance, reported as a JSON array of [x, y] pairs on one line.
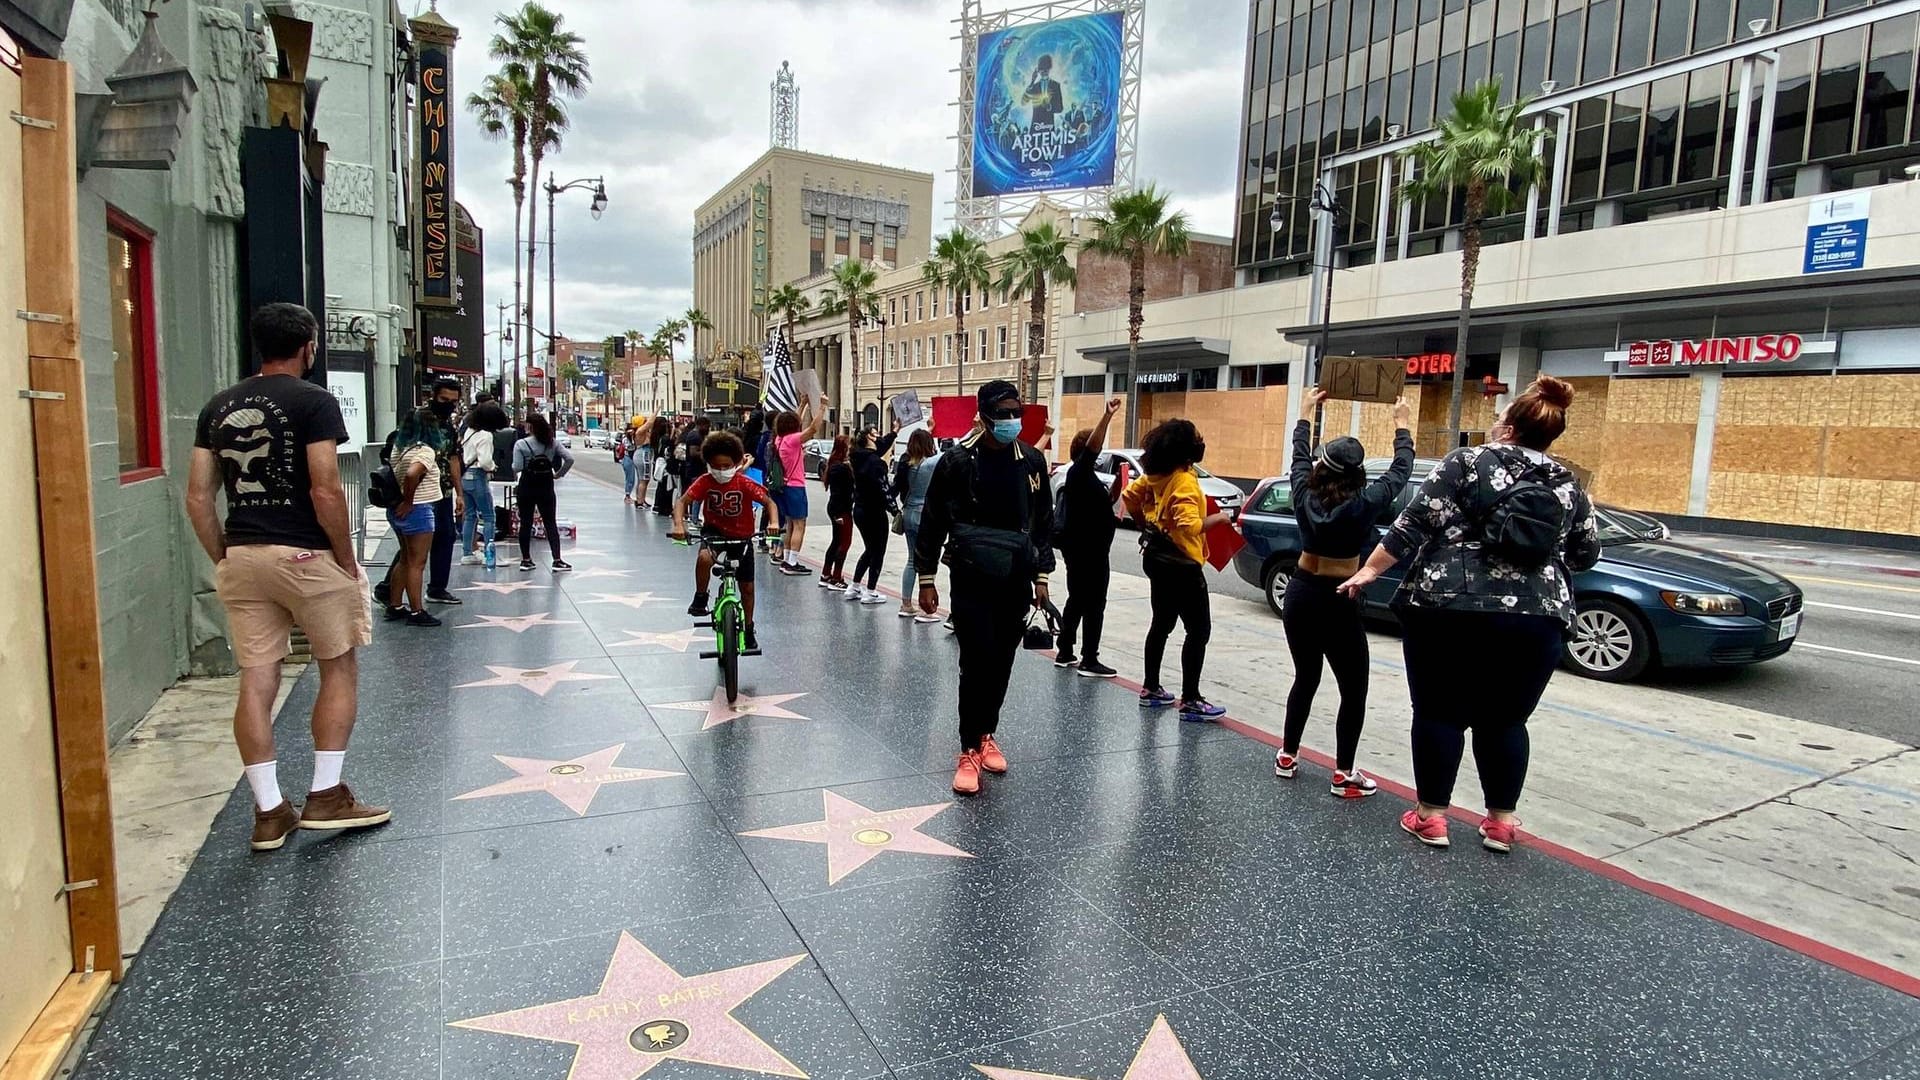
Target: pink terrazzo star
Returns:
[[646, 1013], [519, 624], [540, 681], [503, 587], [719, 712], [586, 575], [574, 781], [677, 640], [856, 835], [1160, 1057], [632, 600]]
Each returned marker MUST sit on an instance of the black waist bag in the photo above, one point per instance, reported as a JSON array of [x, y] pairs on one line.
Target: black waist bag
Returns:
[[1523, 524], [993, 554]]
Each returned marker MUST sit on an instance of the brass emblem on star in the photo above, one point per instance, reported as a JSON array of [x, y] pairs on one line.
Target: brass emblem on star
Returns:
[[568, 769], [872, 837], [660, 1036]]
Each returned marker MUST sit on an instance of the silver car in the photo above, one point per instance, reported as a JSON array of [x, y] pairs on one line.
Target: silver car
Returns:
[[1223, 492]]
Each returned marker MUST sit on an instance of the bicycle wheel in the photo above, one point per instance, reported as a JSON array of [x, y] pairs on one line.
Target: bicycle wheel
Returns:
[[730, 650]]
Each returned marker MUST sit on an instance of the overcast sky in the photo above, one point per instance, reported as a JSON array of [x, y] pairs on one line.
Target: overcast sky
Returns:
[[678, 106]]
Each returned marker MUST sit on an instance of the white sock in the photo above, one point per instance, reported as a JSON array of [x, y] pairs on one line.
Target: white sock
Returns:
[[793, 557], [264, 778], [326, 768]]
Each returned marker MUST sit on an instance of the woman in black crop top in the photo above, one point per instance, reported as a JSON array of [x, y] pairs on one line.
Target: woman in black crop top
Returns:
[[1339, 511]]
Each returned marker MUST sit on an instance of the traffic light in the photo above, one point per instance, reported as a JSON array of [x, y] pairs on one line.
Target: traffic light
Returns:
[[620, 348]]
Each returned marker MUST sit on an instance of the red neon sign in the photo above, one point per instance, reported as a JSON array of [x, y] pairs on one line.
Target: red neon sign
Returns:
[[1430, 364], [1751, 349]]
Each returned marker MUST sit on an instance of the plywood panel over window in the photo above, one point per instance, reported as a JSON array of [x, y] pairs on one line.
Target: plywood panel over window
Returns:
[[1826, 451], [33, 918]]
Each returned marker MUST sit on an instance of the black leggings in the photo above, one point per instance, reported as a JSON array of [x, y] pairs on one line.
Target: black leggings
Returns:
[[1088, 575], [1179, 594], [1479, 670], [875, 528], [543, 500], [835, 565], [1322, 624]]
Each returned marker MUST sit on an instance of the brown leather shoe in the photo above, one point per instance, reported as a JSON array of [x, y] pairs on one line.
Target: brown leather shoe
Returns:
[[270, 827], [336, 808]]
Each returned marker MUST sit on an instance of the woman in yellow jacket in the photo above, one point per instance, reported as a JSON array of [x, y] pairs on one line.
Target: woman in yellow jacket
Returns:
[[1171, 511]]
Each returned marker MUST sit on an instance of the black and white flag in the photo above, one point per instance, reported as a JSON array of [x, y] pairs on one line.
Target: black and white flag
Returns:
[[779, 395]]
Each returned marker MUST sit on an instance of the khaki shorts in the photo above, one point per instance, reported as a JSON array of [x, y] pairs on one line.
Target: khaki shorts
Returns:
[[270, 588]]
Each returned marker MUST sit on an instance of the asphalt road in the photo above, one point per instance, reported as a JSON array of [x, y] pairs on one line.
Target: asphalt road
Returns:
[[1856, 665]]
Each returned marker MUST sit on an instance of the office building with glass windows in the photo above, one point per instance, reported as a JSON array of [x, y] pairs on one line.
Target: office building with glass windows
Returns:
[[1723, 255], [1330, 78]]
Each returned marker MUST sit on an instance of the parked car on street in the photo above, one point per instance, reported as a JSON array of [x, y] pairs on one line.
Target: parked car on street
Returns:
[[1650, 601], [815, 453], [1223, 492], [599, 439]]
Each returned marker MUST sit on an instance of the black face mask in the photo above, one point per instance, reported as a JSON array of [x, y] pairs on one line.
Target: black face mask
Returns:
[[443, 409]]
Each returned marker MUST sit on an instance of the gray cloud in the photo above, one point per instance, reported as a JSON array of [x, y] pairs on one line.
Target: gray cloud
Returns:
[[678, 106]]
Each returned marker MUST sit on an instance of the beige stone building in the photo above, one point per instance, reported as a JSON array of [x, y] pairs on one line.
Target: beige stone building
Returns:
[[792, 214], [913, 344]]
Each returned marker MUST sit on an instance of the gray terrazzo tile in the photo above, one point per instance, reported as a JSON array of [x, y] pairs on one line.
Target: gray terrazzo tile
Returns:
[[517, 886], [979, 955], [755, 756]]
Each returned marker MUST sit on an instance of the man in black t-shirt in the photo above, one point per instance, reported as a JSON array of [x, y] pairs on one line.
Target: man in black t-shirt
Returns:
[[284, 557]]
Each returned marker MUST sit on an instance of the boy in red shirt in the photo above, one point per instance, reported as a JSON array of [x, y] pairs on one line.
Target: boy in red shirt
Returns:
[[727, 499]]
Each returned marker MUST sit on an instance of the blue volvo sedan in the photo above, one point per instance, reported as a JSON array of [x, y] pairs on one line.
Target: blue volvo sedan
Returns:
[[1650, 601]]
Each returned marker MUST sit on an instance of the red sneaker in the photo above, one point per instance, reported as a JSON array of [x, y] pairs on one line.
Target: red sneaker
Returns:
[[1284, 765], [1353, 784], [1431, 831], [966, 776], [991, 759], [1499, 835]]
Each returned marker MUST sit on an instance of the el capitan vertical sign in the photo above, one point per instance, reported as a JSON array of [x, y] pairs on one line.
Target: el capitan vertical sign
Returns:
[[433, 142]]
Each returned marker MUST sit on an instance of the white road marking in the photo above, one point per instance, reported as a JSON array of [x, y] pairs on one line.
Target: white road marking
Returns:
[[1866, 655], [1875, 586], [1865, 610]]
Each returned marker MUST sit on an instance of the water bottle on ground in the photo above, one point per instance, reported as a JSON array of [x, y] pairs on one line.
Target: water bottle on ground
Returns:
[[490, 555]]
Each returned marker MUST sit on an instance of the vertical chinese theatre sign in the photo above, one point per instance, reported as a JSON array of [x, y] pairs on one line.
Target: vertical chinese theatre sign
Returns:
[[433, 141]]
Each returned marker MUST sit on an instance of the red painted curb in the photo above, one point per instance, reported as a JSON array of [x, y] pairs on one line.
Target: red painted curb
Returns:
[[1853, 964]]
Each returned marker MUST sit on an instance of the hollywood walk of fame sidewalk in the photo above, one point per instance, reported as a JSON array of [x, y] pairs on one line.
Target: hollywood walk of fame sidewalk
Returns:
[[598, 870]]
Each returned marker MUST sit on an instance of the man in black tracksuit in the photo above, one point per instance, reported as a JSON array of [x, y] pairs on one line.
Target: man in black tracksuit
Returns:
[[990, 495]]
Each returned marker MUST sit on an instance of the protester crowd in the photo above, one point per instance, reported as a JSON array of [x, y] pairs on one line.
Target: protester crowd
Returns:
[[1492, 540]]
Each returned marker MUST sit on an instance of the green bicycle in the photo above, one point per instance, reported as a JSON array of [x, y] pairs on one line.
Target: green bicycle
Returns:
[[729, 618]]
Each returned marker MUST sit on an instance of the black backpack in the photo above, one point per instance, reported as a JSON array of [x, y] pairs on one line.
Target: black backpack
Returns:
[[539, 466], [1523, 525], [383, 488], [1060, 516]]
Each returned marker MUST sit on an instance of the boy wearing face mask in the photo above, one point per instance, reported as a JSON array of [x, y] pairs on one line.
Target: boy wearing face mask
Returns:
[[727, 498]]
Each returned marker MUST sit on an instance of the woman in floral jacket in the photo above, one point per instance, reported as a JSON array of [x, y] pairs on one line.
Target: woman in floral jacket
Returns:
[[1485, 628]]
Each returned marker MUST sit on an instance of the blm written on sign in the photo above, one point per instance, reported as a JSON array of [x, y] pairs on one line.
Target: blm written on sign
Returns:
[[1364, 378]]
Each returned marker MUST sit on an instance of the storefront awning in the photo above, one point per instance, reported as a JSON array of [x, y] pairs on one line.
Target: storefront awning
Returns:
[[1843, 301], [1182, 353]]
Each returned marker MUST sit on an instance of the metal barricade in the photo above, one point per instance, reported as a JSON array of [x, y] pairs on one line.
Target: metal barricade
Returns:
[[353, 478]]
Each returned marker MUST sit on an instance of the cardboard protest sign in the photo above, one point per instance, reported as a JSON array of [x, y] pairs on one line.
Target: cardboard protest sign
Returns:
[[1364, 378]]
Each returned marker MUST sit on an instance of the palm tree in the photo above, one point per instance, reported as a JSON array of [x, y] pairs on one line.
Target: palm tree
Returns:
[[534, 39], [851, 292], [696, 321], [1135, 226], [1484, 150], [960, 264], [792, 307], [658, 347], [503, 106], [1041, 259]]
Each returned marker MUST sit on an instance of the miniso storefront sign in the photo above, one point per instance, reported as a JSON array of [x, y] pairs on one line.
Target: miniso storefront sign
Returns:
[[1747, 350]]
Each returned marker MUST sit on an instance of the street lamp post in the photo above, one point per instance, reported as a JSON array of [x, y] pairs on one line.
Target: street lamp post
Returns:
[[1320, 202], [876, 320], [503, 338], [598, 207]]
